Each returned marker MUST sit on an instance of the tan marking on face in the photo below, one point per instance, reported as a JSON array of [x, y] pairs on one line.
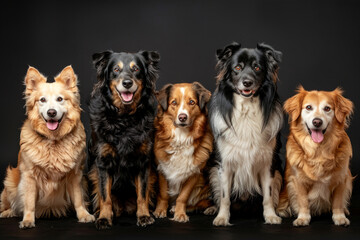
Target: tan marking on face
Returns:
[[132, 64], [121, 65]]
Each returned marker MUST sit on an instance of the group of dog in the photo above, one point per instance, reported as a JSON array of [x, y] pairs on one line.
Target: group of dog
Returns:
[[182, 148]]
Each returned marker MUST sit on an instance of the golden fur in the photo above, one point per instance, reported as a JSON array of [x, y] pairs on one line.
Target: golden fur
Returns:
[[317, 176], [48, 179], [194, 191]]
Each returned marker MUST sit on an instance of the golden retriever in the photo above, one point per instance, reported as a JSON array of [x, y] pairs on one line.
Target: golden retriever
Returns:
[[318, 151]]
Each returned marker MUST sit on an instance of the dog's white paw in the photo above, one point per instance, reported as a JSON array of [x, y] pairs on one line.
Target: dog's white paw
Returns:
[[272, 219], [160, 213], [180, 217], [211, 210], [221, 221], [172, 209], [301, 221], [87, 218], [340, 220], [26, 224]]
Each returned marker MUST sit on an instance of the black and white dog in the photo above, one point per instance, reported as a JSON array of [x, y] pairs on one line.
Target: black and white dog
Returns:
[[246, 117]]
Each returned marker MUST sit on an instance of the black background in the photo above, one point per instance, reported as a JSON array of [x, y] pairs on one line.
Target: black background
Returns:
[[319, 40]]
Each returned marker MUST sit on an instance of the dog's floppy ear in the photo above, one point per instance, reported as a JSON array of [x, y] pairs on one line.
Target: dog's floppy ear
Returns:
[[100, 61], [67, 77], [163, 96], [271, 54], [32, 79], [203, 95], [343, 107], [152, 59], [293, 105], [227, 52], [273, 58]]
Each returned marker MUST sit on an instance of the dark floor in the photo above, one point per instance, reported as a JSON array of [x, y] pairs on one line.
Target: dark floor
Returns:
[[248, 224]]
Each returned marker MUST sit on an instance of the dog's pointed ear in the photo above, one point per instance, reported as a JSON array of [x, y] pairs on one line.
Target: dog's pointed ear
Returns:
[[343, 107], [163, 96], [32, 79], [100, 61], [67, 77], [227, 52], [293, 105], [203, 95]]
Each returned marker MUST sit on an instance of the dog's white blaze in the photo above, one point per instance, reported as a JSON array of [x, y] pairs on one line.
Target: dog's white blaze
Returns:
[[181, 163], [181, 108]]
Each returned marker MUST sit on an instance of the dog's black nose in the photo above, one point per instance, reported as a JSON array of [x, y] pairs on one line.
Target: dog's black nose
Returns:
[[182, 117], [247, 83], [51, 113], [127, 83], [317, 122]]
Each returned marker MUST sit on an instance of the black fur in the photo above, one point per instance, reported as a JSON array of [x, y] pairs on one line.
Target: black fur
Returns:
[[228, 79], [125, 131]]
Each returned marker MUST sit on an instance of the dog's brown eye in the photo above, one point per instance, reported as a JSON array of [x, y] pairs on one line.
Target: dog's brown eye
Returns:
[[238, 68], [327, 109], [191, 102], [59, 99], [256, 68], [135, 69], [42, 100], [308, 107], [173, 103], [116, 69]]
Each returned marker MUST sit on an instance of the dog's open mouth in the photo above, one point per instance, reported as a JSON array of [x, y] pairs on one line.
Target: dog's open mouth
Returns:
[[247, 92], [317, 135], [53, 124]]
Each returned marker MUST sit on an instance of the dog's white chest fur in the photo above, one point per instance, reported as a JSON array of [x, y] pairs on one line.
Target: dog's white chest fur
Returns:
[[180, 166], [245, 148]]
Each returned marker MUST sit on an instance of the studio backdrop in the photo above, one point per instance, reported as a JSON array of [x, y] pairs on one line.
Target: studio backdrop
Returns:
[[319, 41]]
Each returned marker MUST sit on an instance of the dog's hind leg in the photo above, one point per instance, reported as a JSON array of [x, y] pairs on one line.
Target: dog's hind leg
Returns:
[[225, 175], [266, 186]]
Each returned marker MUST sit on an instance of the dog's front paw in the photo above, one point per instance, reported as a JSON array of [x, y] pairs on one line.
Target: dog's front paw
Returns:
[[211, 210], [26, 224], [86, 218], [143, 221], [180, 217], [221, 221], [340, 220], [272, 219], [160, 213], [103, 223], [301, 222]]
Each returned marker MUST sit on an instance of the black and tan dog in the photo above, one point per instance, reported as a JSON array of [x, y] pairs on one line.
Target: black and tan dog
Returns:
[[122, 110]]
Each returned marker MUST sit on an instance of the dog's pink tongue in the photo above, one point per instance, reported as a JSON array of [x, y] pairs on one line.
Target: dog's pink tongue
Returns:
[[52, 125], [317, 136], [127, 96]]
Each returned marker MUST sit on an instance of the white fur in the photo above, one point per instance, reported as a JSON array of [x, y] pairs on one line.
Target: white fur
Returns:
[[180, 166], [317, 111], [246, 153]]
